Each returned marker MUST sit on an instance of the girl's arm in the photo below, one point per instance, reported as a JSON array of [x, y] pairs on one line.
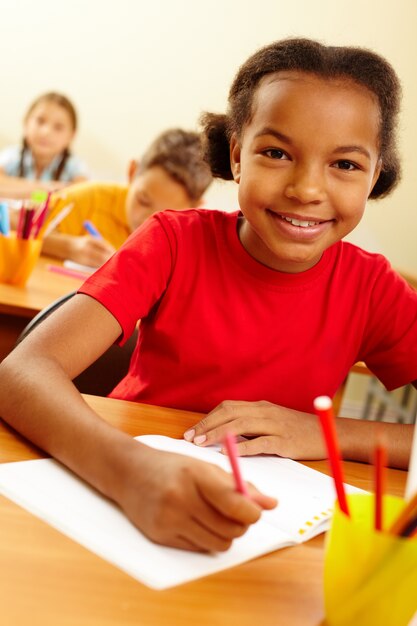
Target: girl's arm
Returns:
[[82, 249], [22, 188], [78, 179], [273, 429], [173, 499]]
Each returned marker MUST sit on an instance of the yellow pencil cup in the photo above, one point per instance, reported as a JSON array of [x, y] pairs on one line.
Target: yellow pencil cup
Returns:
[[18, 257], [370, 577]]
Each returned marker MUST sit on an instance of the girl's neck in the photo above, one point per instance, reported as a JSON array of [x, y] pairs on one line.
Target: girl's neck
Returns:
[[40, 164]]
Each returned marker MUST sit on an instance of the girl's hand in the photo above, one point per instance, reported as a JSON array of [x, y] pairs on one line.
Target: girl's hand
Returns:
[[53, 185], [91, 251], [185, 503], [271, 429]]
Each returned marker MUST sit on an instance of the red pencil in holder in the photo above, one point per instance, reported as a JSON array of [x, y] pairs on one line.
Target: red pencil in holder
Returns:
[[324, 410], [380, 464], [21, 221]]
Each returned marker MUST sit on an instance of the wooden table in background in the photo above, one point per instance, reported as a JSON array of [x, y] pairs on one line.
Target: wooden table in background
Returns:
[[47, 579], [18, 305]]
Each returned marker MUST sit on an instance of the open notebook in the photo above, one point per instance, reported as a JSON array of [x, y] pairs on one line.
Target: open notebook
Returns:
[[50, 491]]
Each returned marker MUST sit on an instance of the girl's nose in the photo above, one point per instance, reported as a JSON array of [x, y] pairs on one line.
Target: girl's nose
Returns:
[[306, 185], [45, 129]]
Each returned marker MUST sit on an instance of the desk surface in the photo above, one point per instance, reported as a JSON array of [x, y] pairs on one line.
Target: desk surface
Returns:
[[18, 305], [45, 578], [42, 288]]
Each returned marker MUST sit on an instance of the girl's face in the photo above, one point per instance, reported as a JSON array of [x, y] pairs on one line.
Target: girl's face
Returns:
[[152, 191], [48, 130], [305, 163]]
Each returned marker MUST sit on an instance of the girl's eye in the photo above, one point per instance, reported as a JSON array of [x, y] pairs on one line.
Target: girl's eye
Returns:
[[143, 202], [275, 153], [346, 165]]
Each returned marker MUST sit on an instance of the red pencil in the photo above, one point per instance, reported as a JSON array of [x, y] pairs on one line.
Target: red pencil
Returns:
[[380, 464], [324, 410], [230, 445], [22, 214], [27, 223], [41, 215]]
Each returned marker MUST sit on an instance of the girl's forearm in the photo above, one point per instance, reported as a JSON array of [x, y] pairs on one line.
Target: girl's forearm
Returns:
[[21, 188], [358, 438], [14, 187], [58, 245], [47, 409]]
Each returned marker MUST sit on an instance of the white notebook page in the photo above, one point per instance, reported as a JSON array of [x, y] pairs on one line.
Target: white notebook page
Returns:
[[50, 491]]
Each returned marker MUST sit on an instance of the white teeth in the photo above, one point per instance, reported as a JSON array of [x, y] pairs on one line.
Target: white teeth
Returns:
[[302, 223]]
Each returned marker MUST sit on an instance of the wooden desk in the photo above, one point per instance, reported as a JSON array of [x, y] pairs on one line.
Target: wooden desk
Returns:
[[18, 305], [47, 579]]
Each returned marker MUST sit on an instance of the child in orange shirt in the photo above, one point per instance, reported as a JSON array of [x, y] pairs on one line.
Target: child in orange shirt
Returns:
[[171, 174]]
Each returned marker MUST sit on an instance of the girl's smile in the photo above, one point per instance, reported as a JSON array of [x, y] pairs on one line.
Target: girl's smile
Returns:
[[48, 131], [298, 227], [306, 163]]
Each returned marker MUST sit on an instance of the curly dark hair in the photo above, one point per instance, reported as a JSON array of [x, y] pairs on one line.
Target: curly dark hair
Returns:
[[360, 65], [180, 153]]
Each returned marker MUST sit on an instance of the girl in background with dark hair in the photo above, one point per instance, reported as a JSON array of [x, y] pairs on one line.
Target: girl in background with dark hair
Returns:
[[44, 160]]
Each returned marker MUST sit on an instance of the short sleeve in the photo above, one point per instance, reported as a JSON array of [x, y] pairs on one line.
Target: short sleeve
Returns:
[[131, 283], [9, 160], [75, 168], [390, 346]]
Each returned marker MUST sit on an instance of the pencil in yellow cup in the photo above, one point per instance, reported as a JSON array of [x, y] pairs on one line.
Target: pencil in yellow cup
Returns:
[[370, 577], [406, 515], [18, 257]]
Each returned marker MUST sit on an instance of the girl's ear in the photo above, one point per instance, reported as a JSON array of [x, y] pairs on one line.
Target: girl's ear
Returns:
[[132, 169], [377, 172], [235, 157]]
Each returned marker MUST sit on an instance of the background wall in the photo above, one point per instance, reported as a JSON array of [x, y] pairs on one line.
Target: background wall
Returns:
[[134, 68]]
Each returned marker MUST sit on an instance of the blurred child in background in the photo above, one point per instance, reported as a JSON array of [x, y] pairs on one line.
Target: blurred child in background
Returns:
[[43, 160], [171, 174]]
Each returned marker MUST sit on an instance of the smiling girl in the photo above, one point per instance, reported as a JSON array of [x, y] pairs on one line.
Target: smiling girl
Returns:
[[246, 316], [311, 135], [44, 160]]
